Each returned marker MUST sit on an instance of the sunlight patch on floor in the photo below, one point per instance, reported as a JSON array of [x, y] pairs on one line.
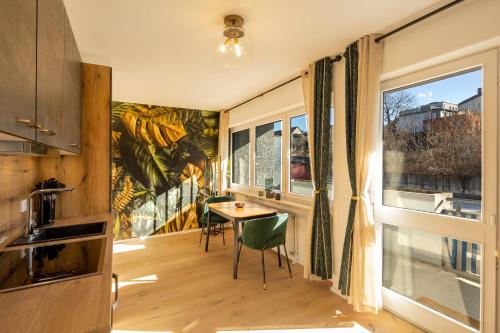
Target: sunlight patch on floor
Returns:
[[129, 331], [140, 280], [348, 328], [120, 248]]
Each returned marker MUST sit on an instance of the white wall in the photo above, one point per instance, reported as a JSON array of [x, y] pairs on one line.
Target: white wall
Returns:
[[280, 100], [467, 28]]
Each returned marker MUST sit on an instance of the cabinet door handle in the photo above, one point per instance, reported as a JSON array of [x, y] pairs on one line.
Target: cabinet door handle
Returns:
[[74, 145], [117, 286], [28, 122], [47, 131]]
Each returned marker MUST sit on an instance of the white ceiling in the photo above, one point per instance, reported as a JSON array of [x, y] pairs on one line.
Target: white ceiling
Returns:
[[162, 51]]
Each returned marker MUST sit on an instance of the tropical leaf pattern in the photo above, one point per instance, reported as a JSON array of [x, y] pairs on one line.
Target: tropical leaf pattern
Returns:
[[161, 156]]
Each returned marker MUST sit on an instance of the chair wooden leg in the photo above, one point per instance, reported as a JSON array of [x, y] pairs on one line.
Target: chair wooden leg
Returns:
[[238, 259], [279, 256], [201, 235], [287, 261], [263, 269]]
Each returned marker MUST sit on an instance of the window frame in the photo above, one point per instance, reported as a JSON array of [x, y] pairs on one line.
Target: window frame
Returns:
[[284, 117], [293, 195], [456, 227], [231, 132]]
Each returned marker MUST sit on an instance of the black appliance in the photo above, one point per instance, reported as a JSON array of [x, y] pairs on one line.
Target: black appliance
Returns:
[[45, 205]]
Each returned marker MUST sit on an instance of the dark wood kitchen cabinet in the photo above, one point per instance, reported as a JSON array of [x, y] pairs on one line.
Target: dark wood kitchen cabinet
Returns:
[[18, 67], [50, 72], [72, 93], [40, 74]]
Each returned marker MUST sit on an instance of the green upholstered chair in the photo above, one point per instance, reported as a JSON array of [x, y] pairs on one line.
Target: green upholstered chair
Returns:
[[215, 219], [262, 234]]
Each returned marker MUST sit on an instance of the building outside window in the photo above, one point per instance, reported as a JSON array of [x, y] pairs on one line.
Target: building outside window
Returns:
[[240, 157], [268, 156], [300, 165]]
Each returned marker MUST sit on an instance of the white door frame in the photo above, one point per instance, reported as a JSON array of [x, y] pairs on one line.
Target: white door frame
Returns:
[[483, 233]]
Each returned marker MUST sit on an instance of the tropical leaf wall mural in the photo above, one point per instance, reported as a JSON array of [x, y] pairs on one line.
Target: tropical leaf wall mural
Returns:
[[162, 167]]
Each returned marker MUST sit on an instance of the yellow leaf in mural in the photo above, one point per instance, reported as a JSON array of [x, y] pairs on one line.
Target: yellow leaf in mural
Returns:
[[115, 138], [192, 171], [116, 173], [153, 125], [123, 197]]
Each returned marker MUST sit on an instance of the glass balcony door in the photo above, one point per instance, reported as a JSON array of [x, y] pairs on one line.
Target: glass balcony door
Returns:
[[437, 195]]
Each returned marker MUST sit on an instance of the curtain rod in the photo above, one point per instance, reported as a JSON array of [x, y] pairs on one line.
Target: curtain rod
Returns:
[[419, 19], [334, 59], [339, 57]]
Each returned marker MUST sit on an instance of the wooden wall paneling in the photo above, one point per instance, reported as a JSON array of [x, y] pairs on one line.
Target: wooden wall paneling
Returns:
[[89, 172], [18, 175]]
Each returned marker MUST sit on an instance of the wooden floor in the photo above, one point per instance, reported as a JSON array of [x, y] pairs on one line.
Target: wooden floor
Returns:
[[169, 284]]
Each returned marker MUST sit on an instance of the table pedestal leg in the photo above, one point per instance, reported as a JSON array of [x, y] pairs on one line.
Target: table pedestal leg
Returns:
[[235, 246]]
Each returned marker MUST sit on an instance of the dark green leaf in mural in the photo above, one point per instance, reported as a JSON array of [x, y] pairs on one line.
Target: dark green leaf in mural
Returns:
[[150, 165]]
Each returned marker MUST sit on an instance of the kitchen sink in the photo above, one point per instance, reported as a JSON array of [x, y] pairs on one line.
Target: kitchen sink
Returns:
[[60, 233]]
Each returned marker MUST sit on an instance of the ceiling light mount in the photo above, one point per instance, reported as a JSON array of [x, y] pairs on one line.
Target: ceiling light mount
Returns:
[[233, 26]]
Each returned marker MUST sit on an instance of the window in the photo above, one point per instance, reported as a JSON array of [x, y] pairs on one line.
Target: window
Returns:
[[432, 161], [273, 154], [268, 156], [300, 166], [240, 157], [436, 271]]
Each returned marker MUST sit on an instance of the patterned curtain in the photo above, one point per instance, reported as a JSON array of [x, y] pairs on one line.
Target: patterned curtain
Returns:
[[351, 97], [321, 244]]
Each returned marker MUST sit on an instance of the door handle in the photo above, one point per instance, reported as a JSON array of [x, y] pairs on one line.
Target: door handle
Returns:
[[28, 122], [74, 145]]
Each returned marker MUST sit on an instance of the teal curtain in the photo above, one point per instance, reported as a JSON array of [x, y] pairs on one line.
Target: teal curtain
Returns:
[[321, 243], [351, 97]]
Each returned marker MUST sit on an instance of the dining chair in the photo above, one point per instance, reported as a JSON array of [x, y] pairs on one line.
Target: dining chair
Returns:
[[215, 219], [262, 234]]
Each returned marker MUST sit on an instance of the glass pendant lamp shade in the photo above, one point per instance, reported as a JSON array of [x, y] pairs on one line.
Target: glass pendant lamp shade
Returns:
[[233, 44]]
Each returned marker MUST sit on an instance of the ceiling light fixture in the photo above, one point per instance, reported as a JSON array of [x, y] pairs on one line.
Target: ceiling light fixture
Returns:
[[233, 45]]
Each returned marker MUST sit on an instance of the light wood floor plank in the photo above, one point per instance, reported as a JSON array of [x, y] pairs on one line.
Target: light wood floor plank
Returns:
[[172, 285]]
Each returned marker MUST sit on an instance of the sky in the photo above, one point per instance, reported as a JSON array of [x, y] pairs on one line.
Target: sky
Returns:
[[453, 89]]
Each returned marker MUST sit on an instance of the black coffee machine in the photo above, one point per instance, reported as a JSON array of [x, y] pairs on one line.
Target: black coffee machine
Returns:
[[45, 204]]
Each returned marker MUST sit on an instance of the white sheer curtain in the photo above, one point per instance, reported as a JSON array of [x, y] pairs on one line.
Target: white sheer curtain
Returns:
[[366, 275], [308, 89], [223, 151]]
